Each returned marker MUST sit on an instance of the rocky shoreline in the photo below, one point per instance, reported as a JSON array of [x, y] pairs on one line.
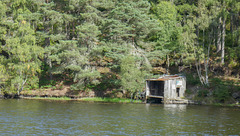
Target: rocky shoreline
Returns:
[[68, 93]]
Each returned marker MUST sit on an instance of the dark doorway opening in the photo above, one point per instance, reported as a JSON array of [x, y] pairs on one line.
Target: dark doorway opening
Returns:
[[178, 92], [156, 88]]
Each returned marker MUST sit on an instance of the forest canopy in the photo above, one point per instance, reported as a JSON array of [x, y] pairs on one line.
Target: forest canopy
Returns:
[[115, 44]]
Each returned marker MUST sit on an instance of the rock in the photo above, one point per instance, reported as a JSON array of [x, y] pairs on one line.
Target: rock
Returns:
[[236, 95]]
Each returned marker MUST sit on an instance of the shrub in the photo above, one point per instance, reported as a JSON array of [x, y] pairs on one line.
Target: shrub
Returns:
[[203, 93], [192, 80], [221, 94], [188, 91]]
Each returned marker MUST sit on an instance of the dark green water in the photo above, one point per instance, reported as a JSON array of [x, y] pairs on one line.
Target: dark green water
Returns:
[[42, 117]]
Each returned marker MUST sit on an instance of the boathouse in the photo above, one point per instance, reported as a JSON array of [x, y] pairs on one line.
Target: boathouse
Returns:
[[167, 88]]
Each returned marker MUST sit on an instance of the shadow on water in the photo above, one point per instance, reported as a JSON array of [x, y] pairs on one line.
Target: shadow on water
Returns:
[[154, 100]]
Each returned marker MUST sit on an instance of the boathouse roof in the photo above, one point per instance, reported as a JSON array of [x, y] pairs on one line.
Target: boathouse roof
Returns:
[[166, 77]]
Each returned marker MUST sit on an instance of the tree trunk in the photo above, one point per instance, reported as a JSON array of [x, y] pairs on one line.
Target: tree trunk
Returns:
[[206, 66], [214, 36], [167, 64], [236, 21], [20, 89], [223, 39], [131, 96], [219, 35], [66, 30], [197, 59], [205, 61], [231, 28], [50, 66], [73, 29]]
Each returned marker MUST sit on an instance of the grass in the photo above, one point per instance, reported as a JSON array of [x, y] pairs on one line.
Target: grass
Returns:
[[91, 99], [228, 105], [114, 100], [51, 98]]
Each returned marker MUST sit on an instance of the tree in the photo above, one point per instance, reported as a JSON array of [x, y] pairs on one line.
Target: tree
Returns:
[[167, 36], [132, 78], [22, 55]]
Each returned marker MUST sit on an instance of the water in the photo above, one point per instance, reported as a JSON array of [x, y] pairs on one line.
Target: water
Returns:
[[42, 117]]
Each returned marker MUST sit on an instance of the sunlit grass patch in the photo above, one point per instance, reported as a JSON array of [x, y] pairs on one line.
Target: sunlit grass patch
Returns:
[[91, 99], [52, 98], [114, 100]]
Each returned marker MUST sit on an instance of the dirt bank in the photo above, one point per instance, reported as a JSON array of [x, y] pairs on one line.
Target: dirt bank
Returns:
[[67, 92]]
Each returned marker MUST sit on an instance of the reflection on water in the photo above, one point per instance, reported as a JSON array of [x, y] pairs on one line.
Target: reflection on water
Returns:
[[39, 117], [175, 107]]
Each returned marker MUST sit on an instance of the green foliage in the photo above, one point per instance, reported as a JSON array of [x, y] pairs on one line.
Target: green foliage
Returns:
[[43, 41], [188, 91], [108, 81], [203, 93], [114, 100], [33, 83], [221, 93], [21, 54], [166, 13], [192, 79], [223, 90], [46, 86], [217, 81], [86, 77], [52, 98], [132, 78]]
